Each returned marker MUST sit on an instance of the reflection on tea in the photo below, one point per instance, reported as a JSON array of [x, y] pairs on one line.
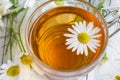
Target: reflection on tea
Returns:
[[48, 41]]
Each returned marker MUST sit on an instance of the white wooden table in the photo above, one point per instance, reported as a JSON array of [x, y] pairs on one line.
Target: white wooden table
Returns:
[[105, 71]]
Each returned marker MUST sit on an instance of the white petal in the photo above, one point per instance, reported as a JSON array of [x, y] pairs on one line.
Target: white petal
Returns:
[[70, 46], [75, 29], [15, 78], [2, 71], [72, 31], [71, 40], [4, 6], [73, 44], [29, 3], [6, 78], [67, 43], [74, 48], [90, 26], [76, 45], [94, 41], [4, 66], [94, 31], [69, 35], [85, 49], [96, 36], [90, 46], [82, 48], [2, 76], [82, 27], [9, 63], [8, 5], [78, 26], [79, 50], [96, 45]]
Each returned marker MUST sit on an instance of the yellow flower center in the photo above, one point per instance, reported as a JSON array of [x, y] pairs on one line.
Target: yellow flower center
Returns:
[[13, 71], [26, 59], [83, 37], [117, 77]]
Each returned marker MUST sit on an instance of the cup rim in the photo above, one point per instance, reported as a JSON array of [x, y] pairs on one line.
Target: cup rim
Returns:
[[40, 63]]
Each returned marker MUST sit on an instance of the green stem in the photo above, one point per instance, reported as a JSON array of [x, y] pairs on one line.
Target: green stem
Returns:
[[16, 37], [11, 33], [19, 33], [15, 34]]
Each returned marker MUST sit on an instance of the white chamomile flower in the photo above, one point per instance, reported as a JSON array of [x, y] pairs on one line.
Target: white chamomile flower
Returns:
[[29, 3], [27, 72], [25, 63], [83, 36], [9, 71], [4, 6]]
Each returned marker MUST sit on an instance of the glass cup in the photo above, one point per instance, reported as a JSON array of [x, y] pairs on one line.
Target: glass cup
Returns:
[[49, 71]]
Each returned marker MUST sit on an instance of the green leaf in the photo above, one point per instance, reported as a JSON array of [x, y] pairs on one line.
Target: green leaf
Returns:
[[20, 10], [59, 2], [101, 5], [104, 59], [12, 1], [16, 13], [117, 77], [15, 3]]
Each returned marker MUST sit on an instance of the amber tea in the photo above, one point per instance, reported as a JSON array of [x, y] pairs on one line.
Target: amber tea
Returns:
[[48, 41]]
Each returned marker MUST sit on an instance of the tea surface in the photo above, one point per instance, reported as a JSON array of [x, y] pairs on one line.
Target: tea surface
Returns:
[[48, 41]]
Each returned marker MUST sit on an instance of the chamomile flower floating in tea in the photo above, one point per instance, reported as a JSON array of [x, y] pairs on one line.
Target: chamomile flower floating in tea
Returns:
[[9, 71], [83, 36]]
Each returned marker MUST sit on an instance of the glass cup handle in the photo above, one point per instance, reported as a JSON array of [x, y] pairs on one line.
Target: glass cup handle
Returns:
[[110, 24]]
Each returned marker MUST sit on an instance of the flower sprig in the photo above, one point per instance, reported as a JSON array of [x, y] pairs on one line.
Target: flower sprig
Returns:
[[12, 9], [21, 67], [82, 37]]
